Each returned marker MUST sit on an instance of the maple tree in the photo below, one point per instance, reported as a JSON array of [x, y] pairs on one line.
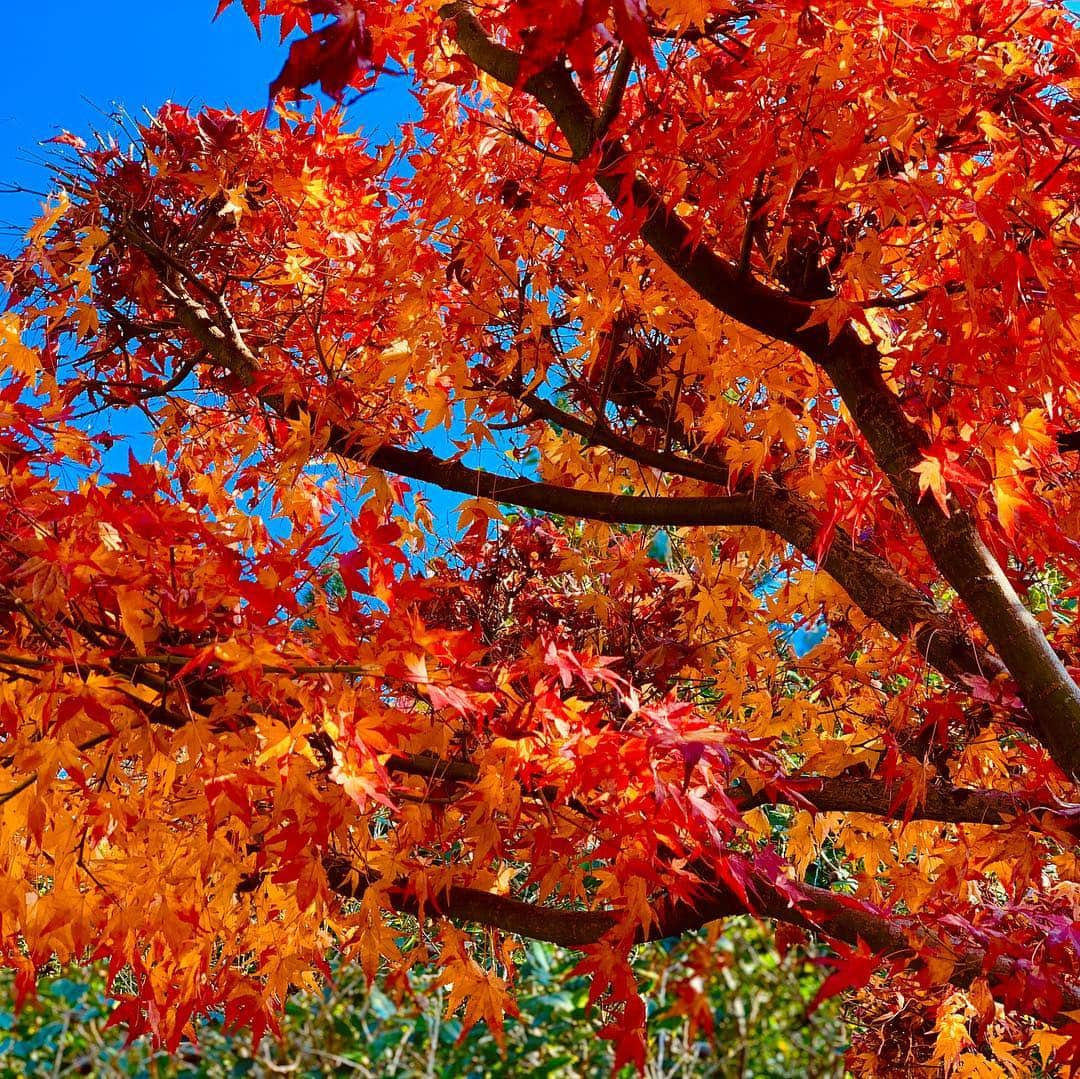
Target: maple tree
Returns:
[[789, 285]]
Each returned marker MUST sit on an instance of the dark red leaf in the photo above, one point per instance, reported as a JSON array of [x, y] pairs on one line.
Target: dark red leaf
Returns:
[[331, 55]]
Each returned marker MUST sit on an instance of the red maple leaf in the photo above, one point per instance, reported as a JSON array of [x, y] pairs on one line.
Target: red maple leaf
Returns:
[[330, 55]]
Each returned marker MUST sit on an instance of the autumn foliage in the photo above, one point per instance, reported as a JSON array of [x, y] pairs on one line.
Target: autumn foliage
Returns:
[[751, 317]]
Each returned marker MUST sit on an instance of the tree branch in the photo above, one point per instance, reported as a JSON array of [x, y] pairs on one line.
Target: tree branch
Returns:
[[423, 465], [835, 794], [812, 909], [613, 102]]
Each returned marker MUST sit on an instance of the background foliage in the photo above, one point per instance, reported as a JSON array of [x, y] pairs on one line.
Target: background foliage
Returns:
[[757, 1005]]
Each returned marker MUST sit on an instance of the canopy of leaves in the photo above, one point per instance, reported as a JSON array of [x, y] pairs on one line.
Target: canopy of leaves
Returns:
[[794, 284]]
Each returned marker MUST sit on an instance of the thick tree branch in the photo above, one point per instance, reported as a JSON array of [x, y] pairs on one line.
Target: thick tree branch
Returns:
[[809, 908], [878, 590], [1050, 695], [954, 805]]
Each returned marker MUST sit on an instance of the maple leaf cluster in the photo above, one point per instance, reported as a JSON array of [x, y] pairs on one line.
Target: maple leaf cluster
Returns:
[[788, 288]]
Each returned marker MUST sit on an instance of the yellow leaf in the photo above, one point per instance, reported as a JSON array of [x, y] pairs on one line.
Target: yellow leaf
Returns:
[[14, 355], [1032, 432], [49, 217], [136, 617], [484, 995], [1046, 1042], [952, 1030], [834, 314], [932, 479], [1008, 500]]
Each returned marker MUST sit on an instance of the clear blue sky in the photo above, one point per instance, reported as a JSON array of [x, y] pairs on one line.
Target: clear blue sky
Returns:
[[68, 63]]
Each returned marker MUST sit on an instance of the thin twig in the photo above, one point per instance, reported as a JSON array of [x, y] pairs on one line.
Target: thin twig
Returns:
[[609, 111]]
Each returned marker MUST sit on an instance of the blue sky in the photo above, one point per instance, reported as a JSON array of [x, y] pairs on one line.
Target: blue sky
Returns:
[[69, 63]]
